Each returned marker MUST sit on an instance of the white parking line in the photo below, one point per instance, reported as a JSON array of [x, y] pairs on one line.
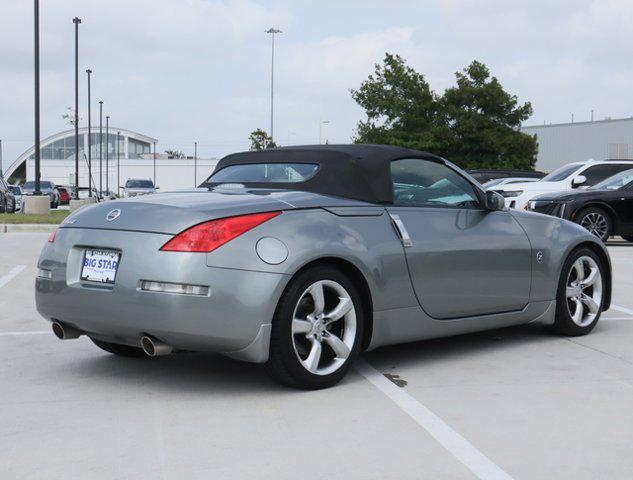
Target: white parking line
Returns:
[[458, 446], [622, 309], [602, 319], [17, 334], [6, 278]]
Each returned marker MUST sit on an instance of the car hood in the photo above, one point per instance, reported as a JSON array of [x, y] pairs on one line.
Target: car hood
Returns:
[[569, 195], [172, 213], [539, 186]]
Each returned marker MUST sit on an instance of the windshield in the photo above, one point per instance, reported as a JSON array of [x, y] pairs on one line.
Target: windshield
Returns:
[[615, 182], [31, 185], [139, 184], [492, 183], [265, 173], [561, 173]]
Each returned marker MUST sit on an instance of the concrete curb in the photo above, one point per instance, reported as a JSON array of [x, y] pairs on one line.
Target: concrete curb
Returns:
[[27, 227]]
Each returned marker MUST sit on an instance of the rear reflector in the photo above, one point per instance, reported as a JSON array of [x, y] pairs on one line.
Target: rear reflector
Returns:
[[178, 288], [206, 237]]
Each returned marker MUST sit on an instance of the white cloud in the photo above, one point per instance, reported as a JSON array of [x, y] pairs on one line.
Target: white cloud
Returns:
[[186, 70]]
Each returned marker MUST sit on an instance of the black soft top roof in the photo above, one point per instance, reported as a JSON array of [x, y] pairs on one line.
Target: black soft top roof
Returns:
[[360, 172]]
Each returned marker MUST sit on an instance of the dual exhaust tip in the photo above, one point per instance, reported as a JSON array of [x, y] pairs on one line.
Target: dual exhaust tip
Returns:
[[150, 345]]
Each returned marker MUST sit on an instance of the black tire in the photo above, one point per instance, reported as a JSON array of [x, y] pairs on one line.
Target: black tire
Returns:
[[283, 363], [3, 207], [118, 349], [563, 323], [12, 210], [628, 238], [586, 215]]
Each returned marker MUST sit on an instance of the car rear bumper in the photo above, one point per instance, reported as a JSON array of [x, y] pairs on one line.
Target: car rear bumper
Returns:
[[236, 312]]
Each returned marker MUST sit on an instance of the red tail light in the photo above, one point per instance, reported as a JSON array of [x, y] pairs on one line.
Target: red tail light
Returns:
[[51, 238], [206, 237]]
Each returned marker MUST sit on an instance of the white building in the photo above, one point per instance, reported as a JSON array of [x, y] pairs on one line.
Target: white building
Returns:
[[129, 157], [562, 143]]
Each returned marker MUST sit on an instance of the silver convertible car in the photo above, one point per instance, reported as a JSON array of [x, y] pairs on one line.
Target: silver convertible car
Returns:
[[303, 257]]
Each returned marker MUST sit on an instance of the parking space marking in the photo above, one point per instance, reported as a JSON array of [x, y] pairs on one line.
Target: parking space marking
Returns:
[[17, 334], [622, 309], [480, 465], [6, 278], [615, 318]]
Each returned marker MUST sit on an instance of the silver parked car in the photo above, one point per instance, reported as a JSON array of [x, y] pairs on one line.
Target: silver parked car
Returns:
[[303, 257], [46, 187], [135, 186], [17, 194]]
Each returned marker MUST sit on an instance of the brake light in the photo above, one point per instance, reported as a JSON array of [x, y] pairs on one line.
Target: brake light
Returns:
[[52, 236], [206, 237]]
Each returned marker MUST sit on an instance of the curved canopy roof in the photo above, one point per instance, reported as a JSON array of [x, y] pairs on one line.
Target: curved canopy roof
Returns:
[[360, 172], [70, 134]]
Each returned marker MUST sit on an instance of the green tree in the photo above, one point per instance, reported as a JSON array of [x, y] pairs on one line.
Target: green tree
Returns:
[[401, 108], [474, 124], [484, 122], [260, 140]]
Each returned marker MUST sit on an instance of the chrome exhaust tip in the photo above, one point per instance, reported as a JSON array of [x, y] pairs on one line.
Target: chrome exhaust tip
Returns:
[[154, 347], [64, 332]]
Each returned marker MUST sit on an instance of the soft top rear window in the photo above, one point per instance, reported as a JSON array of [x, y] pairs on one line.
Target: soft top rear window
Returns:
[[265, 173]]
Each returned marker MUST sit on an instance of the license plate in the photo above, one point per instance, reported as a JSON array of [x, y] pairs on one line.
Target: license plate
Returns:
[[100, 265]]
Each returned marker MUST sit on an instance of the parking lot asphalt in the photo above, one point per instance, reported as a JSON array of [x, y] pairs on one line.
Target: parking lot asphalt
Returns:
[[516, 403]]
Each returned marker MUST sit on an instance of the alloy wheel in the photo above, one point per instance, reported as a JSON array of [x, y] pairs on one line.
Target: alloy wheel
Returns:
[[596, 223], [324, 327], [584, 291]]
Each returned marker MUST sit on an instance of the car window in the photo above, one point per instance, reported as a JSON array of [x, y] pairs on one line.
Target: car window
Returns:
[[561, 173], [265, 173], [616, 181], [597, 173], [139, 184], [422, 183]]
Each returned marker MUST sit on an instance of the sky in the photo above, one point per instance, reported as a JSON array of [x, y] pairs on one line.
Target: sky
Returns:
[[199, 70]]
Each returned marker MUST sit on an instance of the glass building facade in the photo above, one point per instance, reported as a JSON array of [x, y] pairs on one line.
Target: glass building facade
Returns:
[[64, 148]]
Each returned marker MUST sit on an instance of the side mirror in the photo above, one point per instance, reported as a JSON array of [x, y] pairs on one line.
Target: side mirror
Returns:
[[156, 188], [494, 201], [578, 181]]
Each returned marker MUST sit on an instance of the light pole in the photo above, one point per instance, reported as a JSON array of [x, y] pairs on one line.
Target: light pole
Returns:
[[107, 154], [89, 139], [36, 49], [154, 164], [100, 149], [273, 31], [321, 123], [118, 165], [77, 21], [195, 164]]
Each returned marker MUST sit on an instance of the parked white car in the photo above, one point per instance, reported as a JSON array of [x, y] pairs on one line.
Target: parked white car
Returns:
[[570, 176], [497, 183]]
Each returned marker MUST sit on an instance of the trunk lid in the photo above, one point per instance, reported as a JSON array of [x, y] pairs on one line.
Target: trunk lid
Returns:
[[171, 213]]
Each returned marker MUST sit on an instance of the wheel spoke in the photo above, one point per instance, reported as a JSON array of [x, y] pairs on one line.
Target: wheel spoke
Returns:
[[340, 348], [580, 270], [316, 292], [577, 317], [312, 362], [590, 302], [342, 308], [591, 278], [572, 291], [301, 326]]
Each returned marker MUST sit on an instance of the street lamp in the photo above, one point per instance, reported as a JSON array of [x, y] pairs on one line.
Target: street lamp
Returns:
[[100, 149], [89, 140], [118, 165], [36, 49], [154, 164], [76, 21], [321, 123], [273, 31], [107, 154], [195, 164]]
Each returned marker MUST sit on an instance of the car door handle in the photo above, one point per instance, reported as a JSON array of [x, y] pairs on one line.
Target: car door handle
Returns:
[[401, 230]]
